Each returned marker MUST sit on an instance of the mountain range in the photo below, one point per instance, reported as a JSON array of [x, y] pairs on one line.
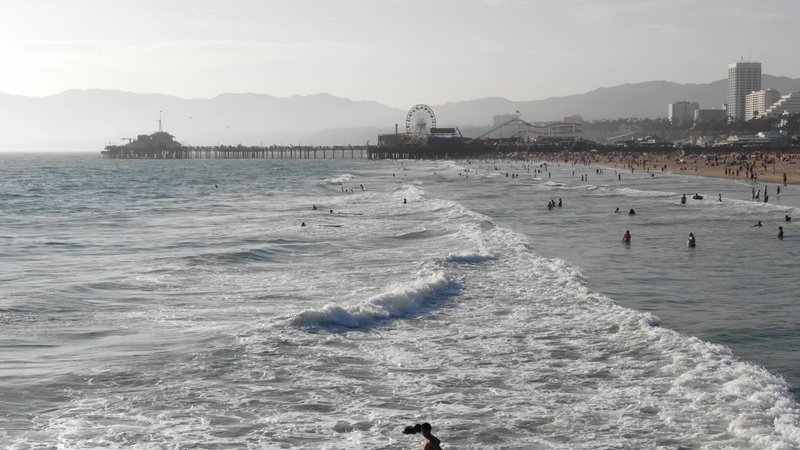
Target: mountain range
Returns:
[[87, 120]]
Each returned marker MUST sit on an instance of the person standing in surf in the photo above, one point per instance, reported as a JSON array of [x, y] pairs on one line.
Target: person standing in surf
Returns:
[[691, 242], [431, 442], [626, 238]]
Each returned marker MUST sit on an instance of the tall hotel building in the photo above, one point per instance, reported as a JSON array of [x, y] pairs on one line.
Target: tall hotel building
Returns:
[[743, 78]]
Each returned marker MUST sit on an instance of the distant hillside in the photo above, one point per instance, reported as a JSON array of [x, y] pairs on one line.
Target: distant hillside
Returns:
[[647, 99], [88, 120]]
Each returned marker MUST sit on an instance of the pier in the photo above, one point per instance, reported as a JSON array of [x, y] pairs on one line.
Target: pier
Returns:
[[233, 152]]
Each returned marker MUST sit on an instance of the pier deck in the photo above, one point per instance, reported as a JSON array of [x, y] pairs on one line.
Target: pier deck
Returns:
[[235, 152]]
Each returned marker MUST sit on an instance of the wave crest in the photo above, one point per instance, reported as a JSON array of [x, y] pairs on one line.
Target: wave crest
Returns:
[[399, 301], [340, 180]]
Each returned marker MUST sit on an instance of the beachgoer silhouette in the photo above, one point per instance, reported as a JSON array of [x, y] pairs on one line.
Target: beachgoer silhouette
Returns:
[[559, 202], [631, 212], [616, 210], [303, 224], [314, 207], [691, 242], [683, 199], [331, 211], [758, 224], [626, 238], [720, 197], [787, 218], [405, 201], [780, 232], [431, 442]]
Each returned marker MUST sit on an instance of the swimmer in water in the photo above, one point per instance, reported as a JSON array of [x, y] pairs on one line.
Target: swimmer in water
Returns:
[[758, 224], [431, 442], [691, 242], [780, 232], [631, 212], [626, 238]]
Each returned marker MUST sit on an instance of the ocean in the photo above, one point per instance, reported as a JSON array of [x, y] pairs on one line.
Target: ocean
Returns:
[[181, 304]]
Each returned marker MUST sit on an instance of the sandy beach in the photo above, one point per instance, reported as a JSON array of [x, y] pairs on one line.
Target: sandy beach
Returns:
[[768, 170]]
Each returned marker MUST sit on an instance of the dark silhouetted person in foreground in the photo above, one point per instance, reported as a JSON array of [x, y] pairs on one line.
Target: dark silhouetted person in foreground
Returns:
[[626, 238], [780, 232], [787, 218], [631, 212], [691, 242], [431, 442]]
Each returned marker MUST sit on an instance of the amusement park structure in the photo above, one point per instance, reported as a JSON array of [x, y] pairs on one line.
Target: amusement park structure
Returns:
[[422, 131]]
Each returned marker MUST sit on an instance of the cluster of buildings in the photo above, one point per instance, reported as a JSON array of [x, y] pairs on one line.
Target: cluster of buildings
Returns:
[[746, 99]]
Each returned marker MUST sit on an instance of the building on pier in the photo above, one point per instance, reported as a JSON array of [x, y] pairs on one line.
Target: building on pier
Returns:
[[157, 145]]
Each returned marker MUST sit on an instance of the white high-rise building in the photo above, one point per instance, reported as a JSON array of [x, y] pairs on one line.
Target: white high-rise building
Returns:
[[681, 112], [756, 103], [787, 104], [743, 78]]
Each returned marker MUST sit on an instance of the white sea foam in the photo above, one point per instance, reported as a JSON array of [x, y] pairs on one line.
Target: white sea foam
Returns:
[[398, 301], [630, 192], [339, 180]]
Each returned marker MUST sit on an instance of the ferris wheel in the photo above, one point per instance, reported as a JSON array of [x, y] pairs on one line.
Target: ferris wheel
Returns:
[[420, 120]]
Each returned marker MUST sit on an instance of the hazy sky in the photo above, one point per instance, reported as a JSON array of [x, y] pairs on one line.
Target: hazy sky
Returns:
[[397, 52]]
